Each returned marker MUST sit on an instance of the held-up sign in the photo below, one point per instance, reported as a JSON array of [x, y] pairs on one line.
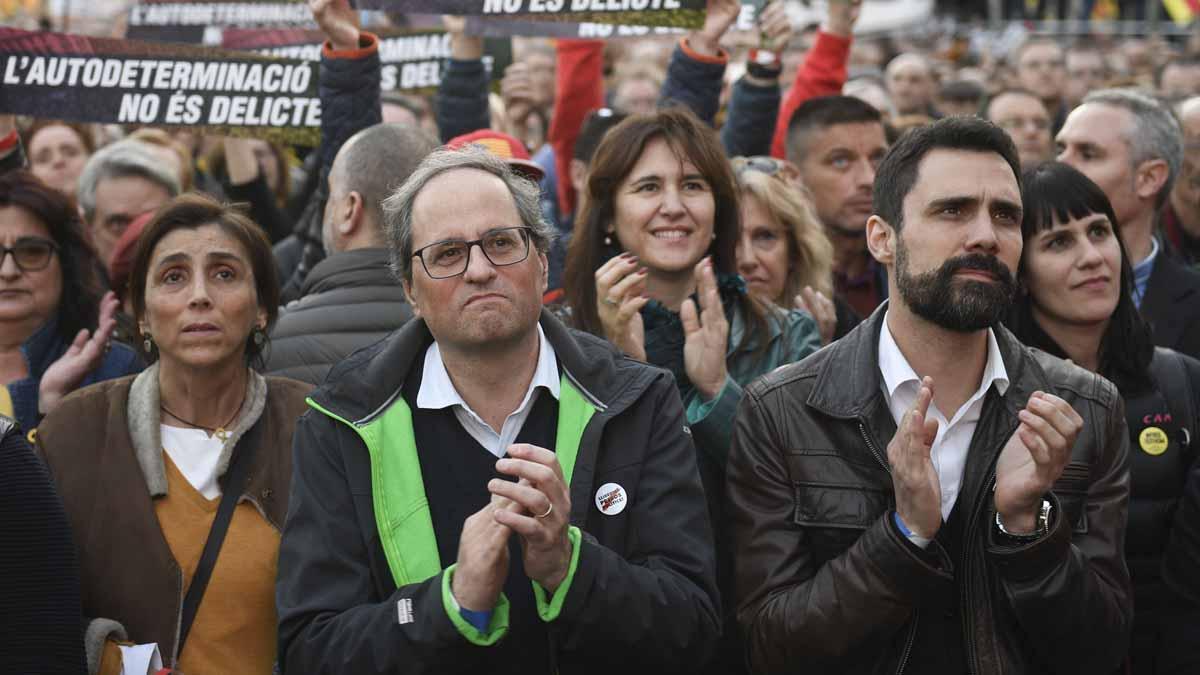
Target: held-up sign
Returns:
[[504, 27], [412, 60], [679, 13], [126, 82]]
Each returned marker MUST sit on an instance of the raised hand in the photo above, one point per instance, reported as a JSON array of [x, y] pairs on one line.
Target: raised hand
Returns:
[[706, 337], [775, 26], [82, 357], [543, 513], [338, 20], [463, 47], [821, 308], [619, 301], [914, 479], [1033, 459], [517, 92], [719, 16], [843, 14]]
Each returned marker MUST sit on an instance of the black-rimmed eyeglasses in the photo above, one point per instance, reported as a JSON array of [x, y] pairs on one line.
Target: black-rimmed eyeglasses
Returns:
[[450, 258], [31, 254]]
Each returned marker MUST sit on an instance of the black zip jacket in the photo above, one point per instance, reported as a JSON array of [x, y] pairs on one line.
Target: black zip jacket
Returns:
[[826, 583], [643, 596]]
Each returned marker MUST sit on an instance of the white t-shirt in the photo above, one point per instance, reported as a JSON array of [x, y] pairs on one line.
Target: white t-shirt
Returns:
[[196, 455]]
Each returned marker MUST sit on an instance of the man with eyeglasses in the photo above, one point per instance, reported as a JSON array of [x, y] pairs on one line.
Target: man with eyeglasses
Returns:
[[1024, 117], [486, 490]]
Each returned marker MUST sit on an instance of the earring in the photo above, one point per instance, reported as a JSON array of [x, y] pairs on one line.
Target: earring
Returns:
[[147, 343], [259, 335], [607, 240]]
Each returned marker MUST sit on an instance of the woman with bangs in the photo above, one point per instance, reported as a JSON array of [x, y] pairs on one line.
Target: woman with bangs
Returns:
[[652, 267], [1077, 303]]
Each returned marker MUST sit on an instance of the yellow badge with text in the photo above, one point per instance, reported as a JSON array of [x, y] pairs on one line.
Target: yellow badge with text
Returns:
[[1153, 441]]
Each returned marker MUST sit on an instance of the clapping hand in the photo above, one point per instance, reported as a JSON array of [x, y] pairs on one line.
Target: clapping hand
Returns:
[[544, 511], [706, 334], [620, 285], [338, 20], [1033, 459], [821, 308], [86, 352], [914, 478]]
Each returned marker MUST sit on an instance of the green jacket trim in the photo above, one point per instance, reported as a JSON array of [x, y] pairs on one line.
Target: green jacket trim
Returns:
[[497, 627], [398, 492], [549, 610]]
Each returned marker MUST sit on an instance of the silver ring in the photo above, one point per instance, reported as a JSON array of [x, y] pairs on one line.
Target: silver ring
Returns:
[[610, 301], [548, 510]]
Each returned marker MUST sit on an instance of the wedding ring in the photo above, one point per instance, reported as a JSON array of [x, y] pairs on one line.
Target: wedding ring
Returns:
[[610, 301], [548, 510]]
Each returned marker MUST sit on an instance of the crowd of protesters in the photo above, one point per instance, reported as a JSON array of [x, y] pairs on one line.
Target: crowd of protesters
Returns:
[[784, 352]]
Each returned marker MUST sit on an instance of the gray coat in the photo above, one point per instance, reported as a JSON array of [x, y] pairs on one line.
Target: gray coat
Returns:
[[350, 300]]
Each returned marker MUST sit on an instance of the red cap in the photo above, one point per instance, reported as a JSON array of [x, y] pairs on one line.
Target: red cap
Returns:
[[122, 255], [503, 146]]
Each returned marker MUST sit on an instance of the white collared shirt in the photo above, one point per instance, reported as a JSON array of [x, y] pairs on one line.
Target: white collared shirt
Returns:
[[901, 384], [437, 392]]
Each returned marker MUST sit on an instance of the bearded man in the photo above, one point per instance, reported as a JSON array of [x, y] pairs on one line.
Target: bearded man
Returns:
[[927, 494]]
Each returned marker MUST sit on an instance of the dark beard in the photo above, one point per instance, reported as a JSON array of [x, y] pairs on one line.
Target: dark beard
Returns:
[[964, 306]]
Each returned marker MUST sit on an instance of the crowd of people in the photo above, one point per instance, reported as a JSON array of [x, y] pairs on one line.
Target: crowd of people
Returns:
[[699, 354]]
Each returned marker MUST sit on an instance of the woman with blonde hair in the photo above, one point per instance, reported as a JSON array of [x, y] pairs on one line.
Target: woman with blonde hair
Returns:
[[783, 252]]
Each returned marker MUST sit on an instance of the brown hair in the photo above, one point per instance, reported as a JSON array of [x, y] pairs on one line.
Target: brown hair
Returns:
[[620, 150], [195, 210], [214, 162], [84, 134], [78, 306]]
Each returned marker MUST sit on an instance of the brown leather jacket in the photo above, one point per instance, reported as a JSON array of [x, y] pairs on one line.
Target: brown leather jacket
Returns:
[[102, 447], [827, 584]]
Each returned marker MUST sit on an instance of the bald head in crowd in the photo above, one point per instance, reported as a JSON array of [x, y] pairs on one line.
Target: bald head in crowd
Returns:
[[911, 83], [368, 167]]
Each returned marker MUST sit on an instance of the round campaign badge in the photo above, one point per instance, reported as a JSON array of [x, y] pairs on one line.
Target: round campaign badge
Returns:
[[1153, 441], [611, 499]]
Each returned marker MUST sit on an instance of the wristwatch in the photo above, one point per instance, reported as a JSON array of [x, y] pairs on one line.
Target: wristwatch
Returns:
[[1043, 524]]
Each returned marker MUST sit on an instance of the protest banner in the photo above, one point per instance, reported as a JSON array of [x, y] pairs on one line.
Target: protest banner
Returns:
[[412, 59], [676, 13], [88, 79], [202, 22], [588, 30]]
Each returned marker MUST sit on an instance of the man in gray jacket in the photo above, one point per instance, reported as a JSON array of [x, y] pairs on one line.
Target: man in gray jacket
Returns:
[[350, 299]]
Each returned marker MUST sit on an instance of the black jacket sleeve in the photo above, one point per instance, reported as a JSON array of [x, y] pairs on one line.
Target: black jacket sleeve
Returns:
[[39, 571], [332, 616], [14, 160], [461, 103], [654, 603], [1181, 563], [1067, 589], [750, 122], [263, 209], [693, 83]]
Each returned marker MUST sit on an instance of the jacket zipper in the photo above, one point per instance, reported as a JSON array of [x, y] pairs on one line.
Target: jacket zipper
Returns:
[[912, 637], [912, 631], [966, 600]]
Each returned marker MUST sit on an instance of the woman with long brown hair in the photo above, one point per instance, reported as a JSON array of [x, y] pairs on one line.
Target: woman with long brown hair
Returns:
[[652, 267]]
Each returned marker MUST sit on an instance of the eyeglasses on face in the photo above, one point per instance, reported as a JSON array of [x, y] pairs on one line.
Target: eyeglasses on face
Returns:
[[31, 254], [450, 258]]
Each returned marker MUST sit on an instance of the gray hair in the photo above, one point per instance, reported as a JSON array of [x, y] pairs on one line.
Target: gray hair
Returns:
[[398, 208], [1154, 134], [123, 159]]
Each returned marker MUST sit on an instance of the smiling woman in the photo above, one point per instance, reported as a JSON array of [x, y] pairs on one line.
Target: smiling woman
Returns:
[[652, 267], [197, 427]]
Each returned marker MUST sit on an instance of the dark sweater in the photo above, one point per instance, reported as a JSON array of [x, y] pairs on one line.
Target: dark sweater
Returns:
[[41, 627], [456, 469]]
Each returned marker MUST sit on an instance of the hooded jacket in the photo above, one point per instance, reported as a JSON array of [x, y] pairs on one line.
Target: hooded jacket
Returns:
[[361, 588], [825, 580]]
